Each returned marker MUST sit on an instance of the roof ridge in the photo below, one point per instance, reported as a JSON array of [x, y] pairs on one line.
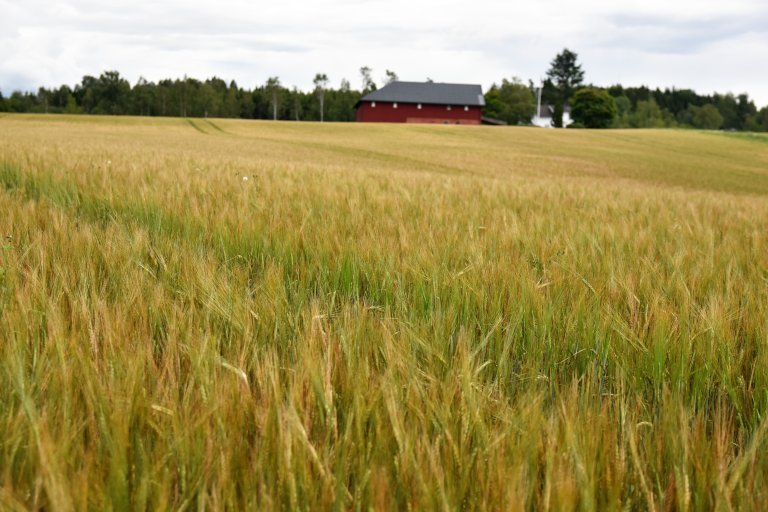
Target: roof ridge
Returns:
[[440, 93]]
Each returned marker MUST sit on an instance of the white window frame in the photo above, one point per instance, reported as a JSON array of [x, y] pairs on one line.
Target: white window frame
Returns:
[[394, 105], [418, 106], [373, 104]]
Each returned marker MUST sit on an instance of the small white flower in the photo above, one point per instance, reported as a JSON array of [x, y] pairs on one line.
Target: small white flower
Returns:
[[245, 178]]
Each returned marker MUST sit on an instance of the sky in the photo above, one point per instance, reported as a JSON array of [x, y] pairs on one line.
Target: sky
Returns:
[[710, 46]]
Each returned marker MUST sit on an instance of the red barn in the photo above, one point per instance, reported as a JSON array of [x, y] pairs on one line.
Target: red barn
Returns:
[[422, 102]]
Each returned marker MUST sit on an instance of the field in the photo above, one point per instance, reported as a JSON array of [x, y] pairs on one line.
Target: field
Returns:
[[240, 315]]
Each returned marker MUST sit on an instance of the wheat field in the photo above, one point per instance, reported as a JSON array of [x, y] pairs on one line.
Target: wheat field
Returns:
[[231, 315]]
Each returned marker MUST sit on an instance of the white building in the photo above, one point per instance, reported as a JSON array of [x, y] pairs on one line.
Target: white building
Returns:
[[543, 117]]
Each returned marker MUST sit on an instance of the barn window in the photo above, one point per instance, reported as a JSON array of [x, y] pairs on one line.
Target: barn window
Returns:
[[394, 105], [373, 104], [448, 107], [418, 106], [466, 108]]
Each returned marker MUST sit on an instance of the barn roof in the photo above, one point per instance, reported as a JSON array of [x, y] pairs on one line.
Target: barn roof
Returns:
[[429, 93]]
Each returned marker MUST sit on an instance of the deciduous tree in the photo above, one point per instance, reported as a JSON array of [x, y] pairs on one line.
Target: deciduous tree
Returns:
[[647, 115], [593, 108], [706, 117], [512, 101], [321, 83], [273, 90], [368, 83], [390, 76]]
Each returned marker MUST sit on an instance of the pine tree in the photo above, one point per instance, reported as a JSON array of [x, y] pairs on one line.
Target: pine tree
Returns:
[[566, 74]]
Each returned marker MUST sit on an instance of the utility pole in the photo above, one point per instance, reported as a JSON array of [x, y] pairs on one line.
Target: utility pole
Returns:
[[538, 104]]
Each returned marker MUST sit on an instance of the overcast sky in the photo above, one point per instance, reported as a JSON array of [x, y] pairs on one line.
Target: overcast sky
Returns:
[[706, 45]]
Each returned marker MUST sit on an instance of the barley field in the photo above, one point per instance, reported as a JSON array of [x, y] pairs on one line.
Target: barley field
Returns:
[[230, 315]]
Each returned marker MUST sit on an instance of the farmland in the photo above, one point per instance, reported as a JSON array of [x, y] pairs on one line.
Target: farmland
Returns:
[[220, 314]]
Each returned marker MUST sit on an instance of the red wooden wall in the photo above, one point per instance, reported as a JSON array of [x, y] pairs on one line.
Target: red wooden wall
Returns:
[[385, 112]]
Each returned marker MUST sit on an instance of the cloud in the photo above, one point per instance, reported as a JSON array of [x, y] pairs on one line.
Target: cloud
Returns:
[[707, 45], [662, 35]]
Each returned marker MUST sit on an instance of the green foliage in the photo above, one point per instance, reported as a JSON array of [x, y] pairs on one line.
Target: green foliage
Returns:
[[494, 107], [390, 76], [593, 108], [22, 102], [735, 111], [273, 89], [111, 94], [549, 93], [368, 84], [341, 103], [106, 95], [512, 102], [623, 111], [557, 115], [71, 107], [676, 108], [706, 117], [728, 107], [761, 119], [321, 85], [648, 114], [566, 74]]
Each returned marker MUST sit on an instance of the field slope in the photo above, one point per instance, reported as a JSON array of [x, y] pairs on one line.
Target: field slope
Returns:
[[213, 314]]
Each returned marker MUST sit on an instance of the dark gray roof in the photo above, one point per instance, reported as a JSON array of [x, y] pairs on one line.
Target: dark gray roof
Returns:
[[548, 110], [429, 93]]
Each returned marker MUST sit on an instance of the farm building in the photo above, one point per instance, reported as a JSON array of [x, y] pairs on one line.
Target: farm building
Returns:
[[544, 116], [422, 102]]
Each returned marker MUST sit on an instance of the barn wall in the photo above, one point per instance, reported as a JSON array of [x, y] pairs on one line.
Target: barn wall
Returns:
[[410, 113]]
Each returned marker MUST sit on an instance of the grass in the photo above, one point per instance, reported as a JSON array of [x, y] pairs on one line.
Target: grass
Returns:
[[380, 317]]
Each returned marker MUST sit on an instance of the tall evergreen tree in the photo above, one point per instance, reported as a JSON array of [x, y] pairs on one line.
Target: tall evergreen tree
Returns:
[[566, 74]]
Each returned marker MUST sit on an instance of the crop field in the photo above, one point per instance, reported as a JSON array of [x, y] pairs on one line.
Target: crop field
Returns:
[[231, 315]]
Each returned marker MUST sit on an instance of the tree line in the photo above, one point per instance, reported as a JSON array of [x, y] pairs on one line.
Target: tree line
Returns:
[[511, 100], [112, 94], [618, 106]]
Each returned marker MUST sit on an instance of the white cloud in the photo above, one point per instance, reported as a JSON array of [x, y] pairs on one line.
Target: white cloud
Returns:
[[706, 45]]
